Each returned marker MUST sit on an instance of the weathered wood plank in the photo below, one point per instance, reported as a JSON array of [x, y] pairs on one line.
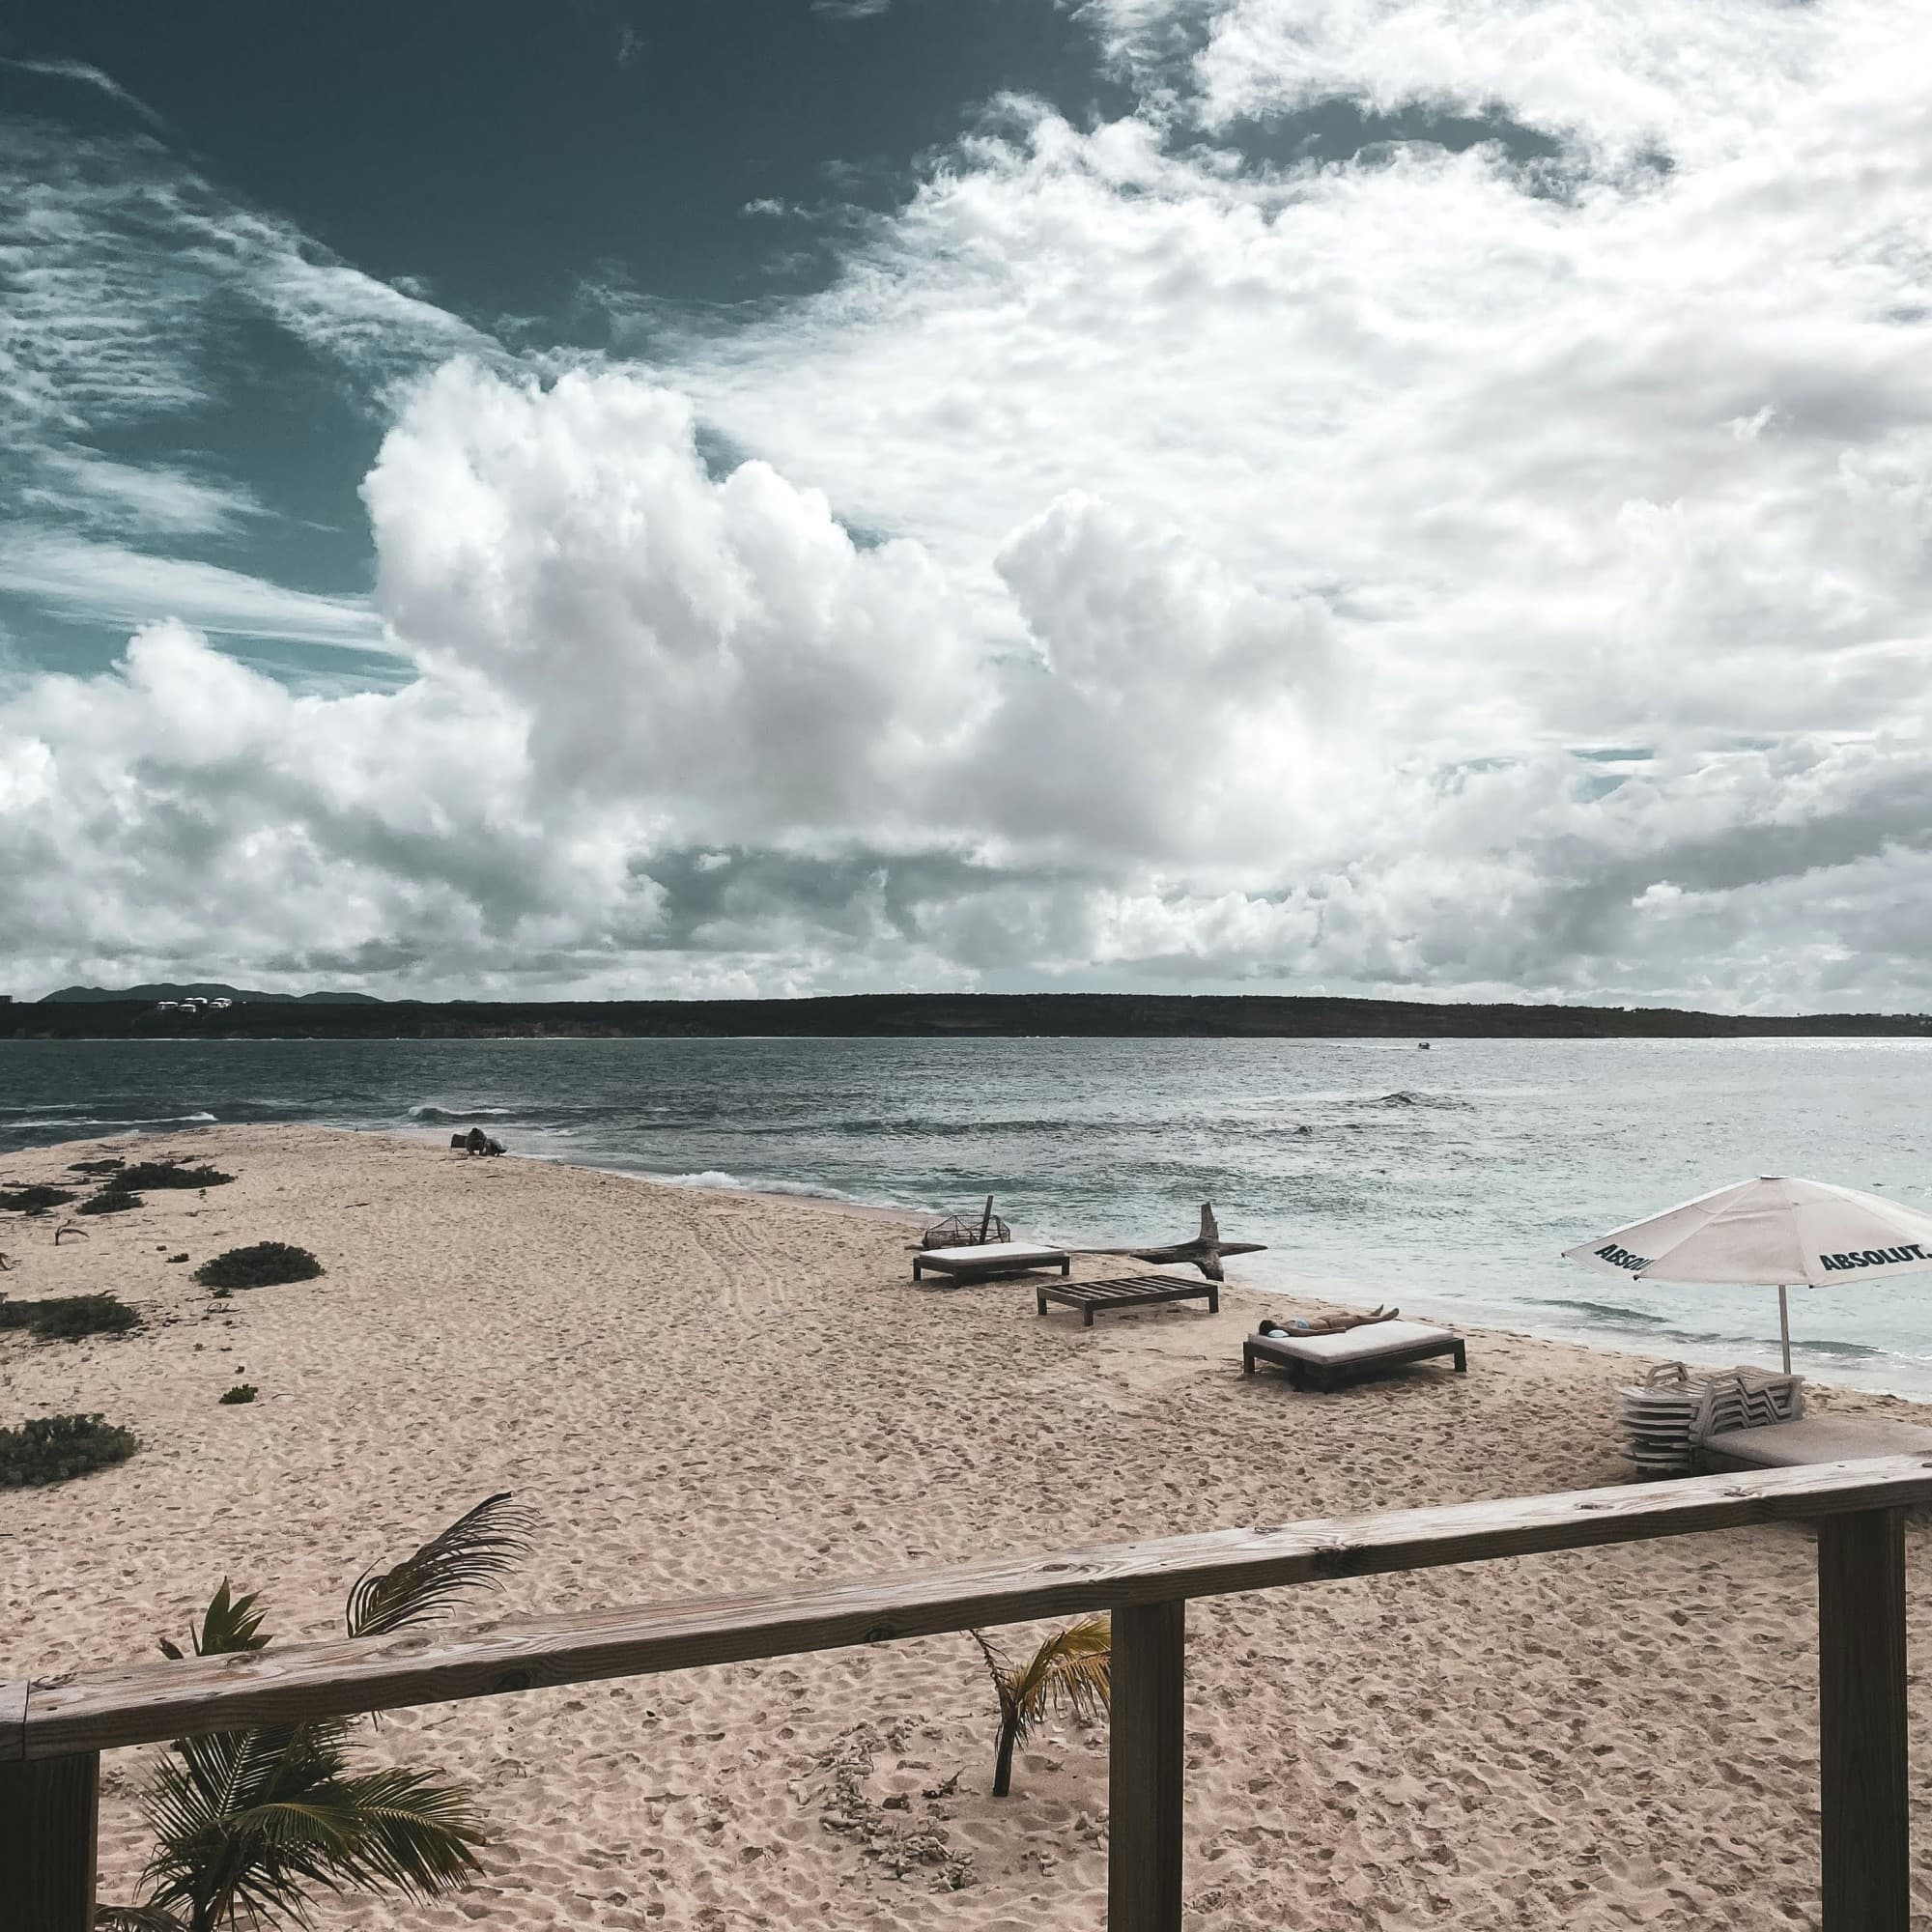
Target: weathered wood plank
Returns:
[[48, 1859], [13, 1719], [143, 1703], [1146, 1760], [1864, 1816]]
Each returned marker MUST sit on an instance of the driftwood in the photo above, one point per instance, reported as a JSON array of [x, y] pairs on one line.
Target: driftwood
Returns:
[[1203, 1252], [72, 1227]]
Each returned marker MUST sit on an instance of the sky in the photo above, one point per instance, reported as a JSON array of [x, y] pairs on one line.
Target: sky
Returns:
[[1417, 497]]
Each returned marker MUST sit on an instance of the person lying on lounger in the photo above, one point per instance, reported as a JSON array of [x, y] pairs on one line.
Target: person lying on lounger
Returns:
[[1297, 1328]]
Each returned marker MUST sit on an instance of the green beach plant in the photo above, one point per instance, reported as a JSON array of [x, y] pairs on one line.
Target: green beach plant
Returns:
[[241, 1392], [110, 1201], [55, 1448], [156, 1175], [264, 1264], [35, 1198], [1071, 1670], [248, 1823], [67, 1318]]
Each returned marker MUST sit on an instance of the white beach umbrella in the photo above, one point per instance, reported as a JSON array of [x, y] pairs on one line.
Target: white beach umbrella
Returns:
[[1776, 1230]]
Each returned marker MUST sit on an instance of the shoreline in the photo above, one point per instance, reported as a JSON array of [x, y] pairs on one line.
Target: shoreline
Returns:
[[1912, 1382], [702, 1391], [1319, 1288]]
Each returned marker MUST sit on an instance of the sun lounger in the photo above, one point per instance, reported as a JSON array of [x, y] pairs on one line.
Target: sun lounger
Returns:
[[1326, 1361], [1813, 1438], [984, 1260], [1139, 1291]]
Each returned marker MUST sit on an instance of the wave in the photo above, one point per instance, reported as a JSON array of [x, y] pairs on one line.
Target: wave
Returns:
[[1609, 1311], [427, 1112], [1410, 1096], [717, 1178], [103, 1120]]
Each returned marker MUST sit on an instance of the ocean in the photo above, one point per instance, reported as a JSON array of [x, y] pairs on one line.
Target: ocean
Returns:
[[1448, 1181]]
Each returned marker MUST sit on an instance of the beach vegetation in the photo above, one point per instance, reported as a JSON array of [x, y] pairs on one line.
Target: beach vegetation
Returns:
[[241, 1392], [110, 1164], [264, 1264], [34, 1200], [1070, 1671], [55, 1448], [69, 1318], [110, 1201], [248, 1823], [158, 1175]]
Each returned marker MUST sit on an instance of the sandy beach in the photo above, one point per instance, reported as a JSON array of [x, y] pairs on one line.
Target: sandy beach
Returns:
[[702, 1391]]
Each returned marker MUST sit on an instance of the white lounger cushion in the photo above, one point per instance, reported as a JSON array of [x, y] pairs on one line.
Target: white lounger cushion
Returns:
[[992, 1251], [1354, 1345]]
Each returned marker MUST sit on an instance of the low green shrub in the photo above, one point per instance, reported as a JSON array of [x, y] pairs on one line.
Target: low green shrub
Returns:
[[53, 1448], [261, 1265], [154, 1175], [67, 1318], [241, 1392], [112, 1165], [110, 1201], [35, 1200]]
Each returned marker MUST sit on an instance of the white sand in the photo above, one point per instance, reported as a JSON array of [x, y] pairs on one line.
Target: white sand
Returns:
[[705, 1392]]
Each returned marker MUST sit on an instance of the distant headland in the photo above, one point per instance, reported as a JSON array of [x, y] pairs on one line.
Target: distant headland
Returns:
[[195, 1011]]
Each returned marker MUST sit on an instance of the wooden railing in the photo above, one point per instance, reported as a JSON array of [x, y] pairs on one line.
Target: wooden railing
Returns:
[[52, 1733]]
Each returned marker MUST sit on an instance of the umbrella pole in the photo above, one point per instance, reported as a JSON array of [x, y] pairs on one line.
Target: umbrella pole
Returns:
[[1785, 1325]]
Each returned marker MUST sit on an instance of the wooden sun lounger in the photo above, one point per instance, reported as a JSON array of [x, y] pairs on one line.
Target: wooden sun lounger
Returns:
[[1138, 1291], [1813, 1438], [984, 1261], [1327, 1361]]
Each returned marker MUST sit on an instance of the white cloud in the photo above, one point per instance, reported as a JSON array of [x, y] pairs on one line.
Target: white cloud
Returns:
[[107, 581], [149, 497], [1423, 569], [84, 74], [124, 278]]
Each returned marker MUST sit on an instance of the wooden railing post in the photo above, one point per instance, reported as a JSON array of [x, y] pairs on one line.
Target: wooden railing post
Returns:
[[47, 1810], [1145, 1759], [1864, 1825]]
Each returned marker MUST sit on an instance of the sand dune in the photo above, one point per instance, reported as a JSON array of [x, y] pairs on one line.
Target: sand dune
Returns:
[[702, 1391]]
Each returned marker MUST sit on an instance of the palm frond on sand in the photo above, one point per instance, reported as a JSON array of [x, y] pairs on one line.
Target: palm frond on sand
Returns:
[[248, 1824], [471, 1555], [230, 1623], [1071, 1670]]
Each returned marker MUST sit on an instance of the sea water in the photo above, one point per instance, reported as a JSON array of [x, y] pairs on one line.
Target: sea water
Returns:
[[1448, 1181]]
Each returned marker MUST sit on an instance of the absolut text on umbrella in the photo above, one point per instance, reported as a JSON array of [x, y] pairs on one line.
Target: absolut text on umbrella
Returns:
[[1623, 1258], [1872, 1257]]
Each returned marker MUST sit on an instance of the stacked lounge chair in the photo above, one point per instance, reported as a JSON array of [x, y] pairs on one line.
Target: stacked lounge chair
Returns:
[[1657, 1415], [1747, 1399], [1674, 1410]]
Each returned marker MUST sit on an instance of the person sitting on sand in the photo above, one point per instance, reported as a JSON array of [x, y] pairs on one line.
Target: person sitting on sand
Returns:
[[1298, 1328]]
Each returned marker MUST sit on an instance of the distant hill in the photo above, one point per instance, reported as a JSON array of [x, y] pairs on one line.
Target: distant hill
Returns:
[[81, 1014], [206, 990]]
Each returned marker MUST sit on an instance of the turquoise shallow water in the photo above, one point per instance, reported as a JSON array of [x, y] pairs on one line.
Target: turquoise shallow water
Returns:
[[1450, 1180]]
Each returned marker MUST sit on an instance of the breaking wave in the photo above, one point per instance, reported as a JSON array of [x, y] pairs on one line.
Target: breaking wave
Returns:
[[714, 1176]]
